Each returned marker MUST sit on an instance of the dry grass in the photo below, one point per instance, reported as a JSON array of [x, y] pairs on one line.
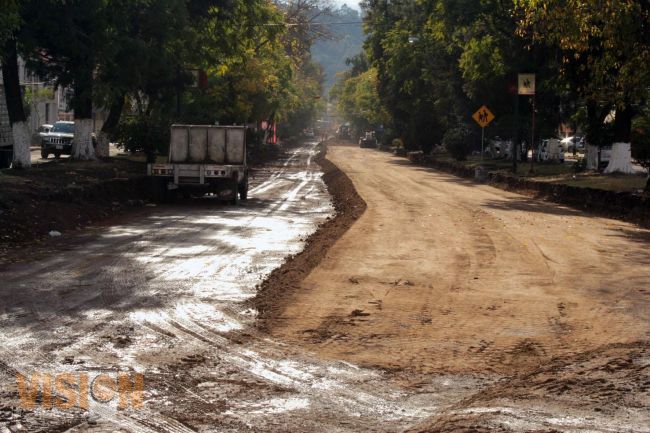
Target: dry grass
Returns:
[[609, 182]]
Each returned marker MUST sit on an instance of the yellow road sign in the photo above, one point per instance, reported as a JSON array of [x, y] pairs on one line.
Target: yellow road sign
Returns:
[[483, 116], [526, 84]]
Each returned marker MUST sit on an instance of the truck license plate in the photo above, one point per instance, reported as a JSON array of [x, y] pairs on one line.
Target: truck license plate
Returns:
[[59, 146]]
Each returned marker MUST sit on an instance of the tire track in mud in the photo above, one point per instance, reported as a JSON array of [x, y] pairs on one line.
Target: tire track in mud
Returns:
[[313, 380], [161, 424], [113, 278]]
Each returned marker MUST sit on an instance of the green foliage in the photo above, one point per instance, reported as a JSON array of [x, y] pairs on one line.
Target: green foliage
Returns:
[[358, 100], [481, 60], [69, 57], [437, 61], [458, 142], [143, 133], [9, 20], [605, 55], [140, 57], [34, 95]]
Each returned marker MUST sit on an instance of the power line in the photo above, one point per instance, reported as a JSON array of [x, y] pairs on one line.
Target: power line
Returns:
[[340, 23]]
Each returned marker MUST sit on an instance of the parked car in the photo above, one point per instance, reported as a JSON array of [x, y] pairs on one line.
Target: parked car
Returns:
[[571, 143], [58, 140]]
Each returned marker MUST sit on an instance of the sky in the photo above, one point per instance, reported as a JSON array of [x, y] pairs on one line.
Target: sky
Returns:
[[354, 4]]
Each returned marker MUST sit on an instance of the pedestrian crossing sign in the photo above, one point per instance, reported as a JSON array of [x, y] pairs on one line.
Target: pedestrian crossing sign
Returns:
[[483, 116]]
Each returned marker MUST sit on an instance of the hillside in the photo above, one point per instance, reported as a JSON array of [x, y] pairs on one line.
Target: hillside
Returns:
[[345, 25]]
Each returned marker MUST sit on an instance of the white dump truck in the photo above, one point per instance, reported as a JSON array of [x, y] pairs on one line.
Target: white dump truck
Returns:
[[205, 159]]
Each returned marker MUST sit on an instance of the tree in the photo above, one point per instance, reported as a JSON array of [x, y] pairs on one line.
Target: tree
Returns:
[[458, 143], [605, 58], [9, 20], [358, 100], [69, 57], [641, 142], [251, 68], [9, 25]]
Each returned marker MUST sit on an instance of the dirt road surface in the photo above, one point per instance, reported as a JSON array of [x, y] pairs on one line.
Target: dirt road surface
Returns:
[[447, 307], [446, 276]]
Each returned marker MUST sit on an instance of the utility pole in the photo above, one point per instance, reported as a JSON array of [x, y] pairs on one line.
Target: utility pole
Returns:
[[532, 141], [515, 134], [526, 87]]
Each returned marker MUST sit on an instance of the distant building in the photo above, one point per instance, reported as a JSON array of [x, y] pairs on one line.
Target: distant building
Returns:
[[44, 98]]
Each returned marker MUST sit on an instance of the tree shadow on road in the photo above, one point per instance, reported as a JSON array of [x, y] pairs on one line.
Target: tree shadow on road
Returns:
[[535, 206], [439, 173]]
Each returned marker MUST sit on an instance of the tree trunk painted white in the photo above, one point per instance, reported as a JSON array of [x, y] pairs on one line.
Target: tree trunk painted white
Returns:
[[22, 141], [102, 149], [82, 146], [592, 157], [621, 159]]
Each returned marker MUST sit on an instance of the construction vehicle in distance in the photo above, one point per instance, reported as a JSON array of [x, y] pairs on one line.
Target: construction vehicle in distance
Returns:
[[204, 159], [368, 140]]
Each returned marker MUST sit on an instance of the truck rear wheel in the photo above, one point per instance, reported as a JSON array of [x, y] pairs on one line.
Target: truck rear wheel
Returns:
[[235, 195], [161, 193], [243, 190]]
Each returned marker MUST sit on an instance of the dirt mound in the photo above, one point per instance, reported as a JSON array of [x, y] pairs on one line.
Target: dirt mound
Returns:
[[612, 382], [274, 293], [64, 195]]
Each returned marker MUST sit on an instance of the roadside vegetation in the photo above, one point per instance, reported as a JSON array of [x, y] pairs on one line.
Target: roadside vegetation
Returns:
[[427, 66], [156, 62]]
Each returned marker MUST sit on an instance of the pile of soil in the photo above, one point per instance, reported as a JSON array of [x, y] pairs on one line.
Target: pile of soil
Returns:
[[605, 382], [63, 195], [274, 293]]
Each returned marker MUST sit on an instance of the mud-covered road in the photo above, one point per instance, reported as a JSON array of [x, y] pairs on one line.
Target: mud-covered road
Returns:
[[166, 294]]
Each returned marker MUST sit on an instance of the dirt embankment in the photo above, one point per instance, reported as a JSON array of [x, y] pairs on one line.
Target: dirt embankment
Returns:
[[64, 195], [274, 293]]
